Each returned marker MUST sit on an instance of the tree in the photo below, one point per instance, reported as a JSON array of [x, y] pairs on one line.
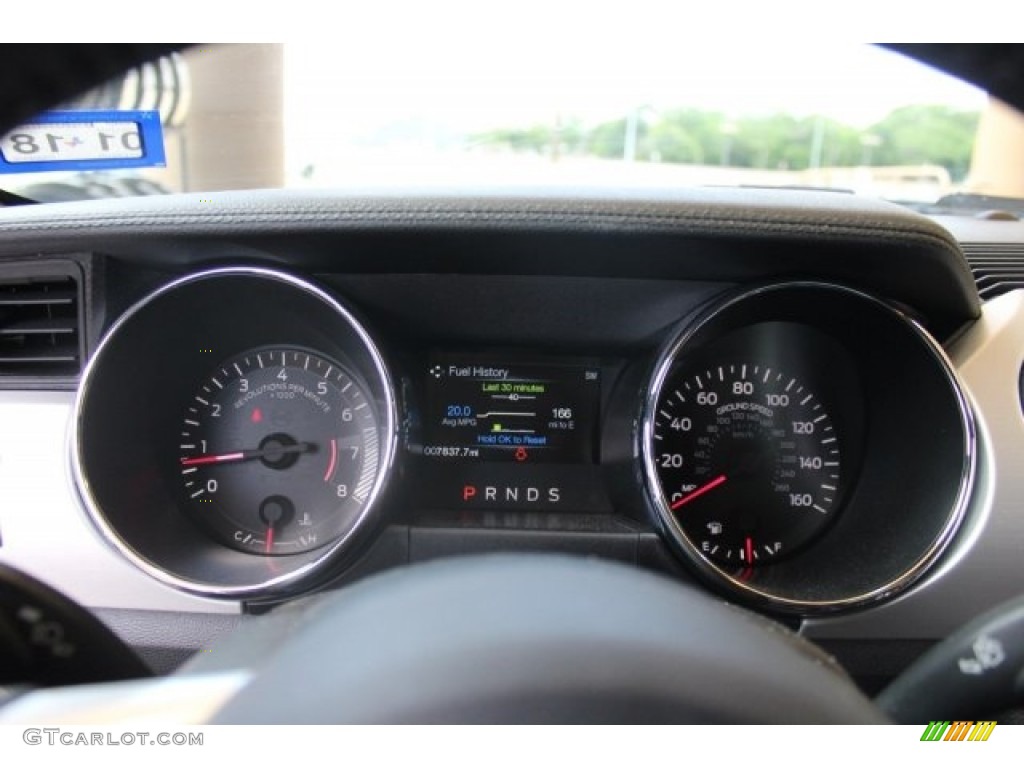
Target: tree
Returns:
[[609, 139], [927, 134], [907, 136], [534, 139]]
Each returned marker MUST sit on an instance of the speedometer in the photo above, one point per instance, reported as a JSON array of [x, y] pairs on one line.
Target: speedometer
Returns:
[[747, 460], [781, 457]]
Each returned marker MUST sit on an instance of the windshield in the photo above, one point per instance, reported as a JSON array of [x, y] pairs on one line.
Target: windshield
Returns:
[[850, 117]]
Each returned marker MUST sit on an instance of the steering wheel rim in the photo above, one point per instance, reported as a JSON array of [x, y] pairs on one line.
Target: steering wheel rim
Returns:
[[540, 639]]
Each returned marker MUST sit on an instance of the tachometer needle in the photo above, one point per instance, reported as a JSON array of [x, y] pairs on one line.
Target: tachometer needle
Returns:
[[698, 492], [255, 453], [213, 459]]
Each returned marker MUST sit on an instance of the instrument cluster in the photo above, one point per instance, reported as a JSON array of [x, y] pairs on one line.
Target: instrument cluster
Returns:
[[799, 446]]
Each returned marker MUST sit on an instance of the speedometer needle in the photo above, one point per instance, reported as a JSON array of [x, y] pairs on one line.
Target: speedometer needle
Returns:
[[254, 453], [699, 492]]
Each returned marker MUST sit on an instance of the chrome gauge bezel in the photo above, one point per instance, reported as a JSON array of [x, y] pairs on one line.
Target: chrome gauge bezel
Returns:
[[287, 574], [695, 332]]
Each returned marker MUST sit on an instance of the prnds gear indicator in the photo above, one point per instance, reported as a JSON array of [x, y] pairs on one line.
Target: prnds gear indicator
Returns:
[[495, 411]]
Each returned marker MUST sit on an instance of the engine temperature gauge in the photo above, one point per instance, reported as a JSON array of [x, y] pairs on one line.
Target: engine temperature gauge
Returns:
[[747, 461]]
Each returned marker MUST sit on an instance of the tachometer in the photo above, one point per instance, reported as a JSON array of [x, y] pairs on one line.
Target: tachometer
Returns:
[[747, 459], [250, 458], [278, 451]]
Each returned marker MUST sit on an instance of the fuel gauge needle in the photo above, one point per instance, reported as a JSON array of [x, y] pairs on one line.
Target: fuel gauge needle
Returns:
[[710, 485]]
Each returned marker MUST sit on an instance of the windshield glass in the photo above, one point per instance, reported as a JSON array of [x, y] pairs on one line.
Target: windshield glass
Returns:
[[851, 117]]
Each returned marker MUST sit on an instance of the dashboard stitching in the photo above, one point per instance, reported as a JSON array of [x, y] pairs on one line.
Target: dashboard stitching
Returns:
[[485, 217], [819, 213], [674, 224]]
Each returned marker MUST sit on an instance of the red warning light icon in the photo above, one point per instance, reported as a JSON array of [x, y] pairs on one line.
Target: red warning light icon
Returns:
[[521, 454]]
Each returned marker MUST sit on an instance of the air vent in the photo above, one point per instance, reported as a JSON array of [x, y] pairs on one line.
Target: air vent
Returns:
[[39, 327], [997, 267]]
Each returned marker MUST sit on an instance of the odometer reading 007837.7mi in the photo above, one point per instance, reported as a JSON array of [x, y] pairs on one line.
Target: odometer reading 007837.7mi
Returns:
[[747, 460]]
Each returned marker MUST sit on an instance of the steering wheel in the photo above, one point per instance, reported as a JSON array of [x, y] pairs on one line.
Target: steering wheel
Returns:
[[528, 639], [537, 639]]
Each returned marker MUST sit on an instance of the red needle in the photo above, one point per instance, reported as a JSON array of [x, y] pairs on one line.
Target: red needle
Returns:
[[213, 459], [269, 543], [750, 551], [255, 453], [699, 492]]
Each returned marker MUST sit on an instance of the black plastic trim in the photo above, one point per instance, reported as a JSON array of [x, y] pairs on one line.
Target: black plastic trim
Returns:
[[78, 269]]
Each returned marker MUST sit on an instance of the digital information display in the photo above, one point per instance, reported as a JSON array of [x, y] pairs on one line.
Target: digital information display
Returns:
[[494, 410], [502, 434]]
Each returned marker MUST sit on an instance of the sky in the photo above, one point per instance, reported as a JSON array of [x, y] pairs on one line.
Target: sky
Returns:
[[359, 88], [354, 67], [413, 23]]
